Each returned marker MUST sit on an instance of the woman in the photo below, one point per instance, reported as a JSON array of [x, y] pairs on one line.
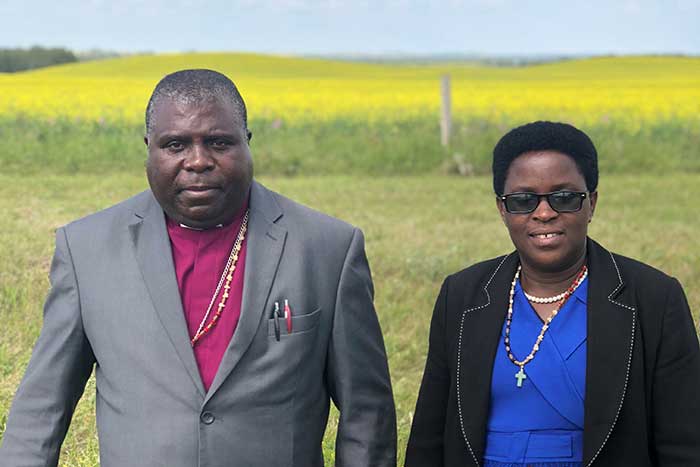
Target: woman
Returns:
[[561, 353]]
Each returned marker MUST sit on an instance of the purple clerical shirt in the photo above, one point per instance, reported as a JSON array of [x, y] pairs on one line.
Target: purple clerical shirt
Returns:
[[200, 257]]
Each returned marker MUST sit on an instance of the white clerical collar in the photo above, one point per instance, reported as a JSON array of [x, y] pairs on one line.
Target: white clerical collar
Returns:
[[218, 226]]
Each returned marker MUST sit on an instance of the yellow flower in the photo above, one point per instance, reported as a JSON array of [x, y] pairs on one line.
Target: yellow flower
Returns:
[[630, 90]]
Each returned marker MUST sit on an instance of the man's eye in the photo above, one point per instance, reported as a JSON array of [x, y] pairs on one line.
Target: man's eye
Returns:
[[220, 143], [175, 146]]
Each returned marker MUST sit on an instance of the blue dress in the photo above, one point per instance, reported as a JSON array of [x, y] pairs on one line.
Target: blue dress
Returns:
[[540, 423]]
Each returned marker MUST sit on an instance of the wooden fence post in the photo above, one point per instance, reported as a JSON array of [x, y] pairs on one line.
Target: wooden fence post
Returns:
[[445, 111]]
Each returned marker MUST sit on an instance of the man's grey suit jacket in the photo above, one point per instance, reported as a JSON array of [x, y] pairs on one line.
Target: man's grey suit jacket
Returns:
[[114, 305]]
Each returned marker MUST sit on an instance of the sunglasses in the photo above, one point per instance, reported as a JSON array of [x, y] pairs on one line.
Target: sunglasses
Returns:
[[560, 201]]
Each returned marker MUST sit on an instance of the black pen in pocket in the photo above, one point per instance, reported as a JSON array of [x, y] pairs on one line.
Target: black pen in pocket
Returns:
[[276, 316]]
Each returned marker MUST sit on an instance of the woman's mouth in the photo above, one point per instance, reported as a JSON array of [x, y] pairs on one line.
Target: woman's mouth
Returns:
[[546, 235], [546, 239]]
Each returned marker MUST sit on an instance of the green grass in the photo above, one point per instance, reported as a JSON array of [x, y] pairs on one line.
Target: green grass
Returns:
[[339, 147], [418, 229]]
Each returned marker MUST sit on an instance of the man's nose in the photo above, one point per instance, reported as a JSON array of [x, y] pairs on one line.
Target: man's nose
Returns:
[[199, 158]]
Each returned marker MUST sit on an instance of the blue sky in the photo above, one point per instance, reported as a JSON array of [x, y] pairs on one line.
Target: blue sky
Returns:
[[488, 27]]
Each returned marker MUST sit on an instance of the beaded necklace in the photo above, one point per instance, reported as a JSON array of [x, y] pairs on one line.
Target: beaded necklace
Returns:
[[228, 276], [520, 375]]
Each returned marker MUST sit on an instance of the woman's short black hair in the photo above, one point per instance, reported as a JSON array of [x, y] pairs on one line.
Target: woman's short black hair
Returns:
[[541, 136]]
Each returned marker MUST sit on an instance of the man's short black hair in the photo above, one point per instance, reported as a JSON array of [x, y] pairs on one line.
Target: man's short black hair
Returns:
[[193, 86], [543, 136]]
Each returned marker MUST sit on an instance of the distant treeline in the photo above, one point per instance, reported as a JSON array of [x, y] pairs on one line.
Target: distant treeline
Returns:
[[442, 58], [12, 60]]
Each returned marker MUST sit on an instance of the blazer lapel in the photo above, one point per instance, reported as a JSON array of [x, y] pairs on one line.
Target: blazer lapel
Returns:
[[611, 327], [154, 256], [478, 340], [264, 247]]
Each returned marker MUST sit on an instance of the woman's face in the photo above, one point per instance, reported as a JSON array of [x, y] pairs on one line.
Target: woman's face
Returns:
[[547, 240]]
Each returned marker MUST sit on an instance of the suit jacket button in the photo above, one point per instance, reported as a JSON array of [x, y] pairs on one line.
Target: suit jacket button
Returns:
[[207, 418]]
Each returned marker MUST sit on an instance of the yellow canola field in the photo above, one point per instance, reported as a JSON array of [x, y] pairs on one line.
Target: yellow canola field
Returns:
[[632, 90]]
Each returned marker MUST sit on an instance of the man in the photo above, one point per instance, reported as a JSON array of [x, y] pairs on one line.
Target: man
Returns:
[[219, 316]]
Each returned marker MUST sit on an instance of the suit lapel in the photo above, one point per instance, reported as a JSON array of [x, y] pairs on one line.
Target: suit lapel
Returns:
[[478, 340], [264, 247], [154, 256], [611, 324]]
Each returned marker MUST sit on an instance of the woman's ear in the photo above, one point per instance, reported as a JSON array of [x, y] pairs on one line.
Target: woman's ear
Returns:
[[501, 209], [593, 199]]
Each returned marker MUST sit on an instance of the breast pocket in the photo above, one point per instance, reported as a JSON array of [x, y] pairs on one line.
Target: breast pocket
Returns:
[[300, 324]]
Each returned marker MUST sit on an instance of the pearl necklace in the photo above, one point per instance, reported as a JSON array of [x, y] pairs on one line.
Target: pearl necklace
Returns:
[[520, 375], [552, 299], [228, 275]]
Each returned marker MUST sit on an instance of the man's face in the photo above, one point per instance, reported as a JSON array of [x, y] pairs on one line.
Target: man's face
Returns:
[[199, 165]]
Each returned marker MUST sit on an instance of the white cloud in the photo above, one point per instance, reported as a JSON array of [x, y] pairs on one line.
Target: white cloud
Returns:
[[632, 7]]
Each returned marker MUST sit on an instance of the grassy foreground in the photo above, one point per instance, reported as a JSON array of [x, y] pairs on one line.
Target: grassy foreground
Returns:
[[417, 230], [342, 146]]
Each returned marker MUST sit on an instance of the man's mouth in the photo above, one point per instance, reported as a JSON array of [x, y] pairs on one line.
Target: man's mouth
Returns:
[[198, 188], [196, 195]]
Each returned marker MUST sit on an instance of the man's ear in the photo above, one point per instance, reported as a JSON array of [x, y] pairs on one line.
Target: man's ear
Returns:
[[145, 140], [249, 135]]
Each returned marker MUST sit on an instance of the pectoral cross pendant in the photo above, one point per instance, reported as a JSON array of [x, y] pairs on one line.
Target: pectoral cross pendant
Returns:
[[520, 376]]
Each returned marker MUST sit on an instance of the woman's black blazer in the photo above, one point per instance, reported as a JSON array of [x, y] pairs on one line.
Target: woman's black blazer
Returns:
[[642, 401]]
